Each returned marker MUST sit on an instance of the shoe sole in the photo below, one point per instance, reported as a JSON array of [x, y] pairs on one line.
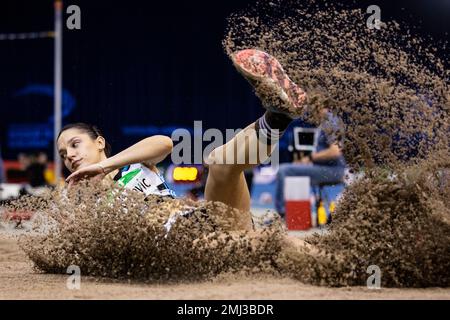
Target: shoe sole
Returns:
[[264, 71]]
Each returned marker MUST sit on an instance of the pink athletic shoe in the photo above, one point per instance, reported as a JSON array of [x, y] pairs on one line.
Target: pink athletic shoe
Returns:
[[272, 84]]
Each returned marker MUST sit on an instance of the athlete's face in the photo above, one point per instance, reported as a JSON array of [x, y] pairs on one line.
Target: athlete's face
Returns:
[[77, 149]]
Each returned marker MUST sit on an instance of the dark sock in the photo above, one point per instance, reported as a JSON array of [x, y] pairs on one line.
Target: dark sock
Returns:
[[271, 126], [278, 121]]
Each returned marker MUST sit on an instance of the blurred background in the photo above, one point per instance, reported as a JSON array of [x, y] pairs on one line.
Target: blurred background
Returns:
[[137, 69]]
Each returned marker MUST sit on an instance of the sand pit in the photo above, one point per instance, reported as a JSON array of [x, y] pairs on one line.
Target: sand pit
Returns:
[[18, 280], [216, 268]]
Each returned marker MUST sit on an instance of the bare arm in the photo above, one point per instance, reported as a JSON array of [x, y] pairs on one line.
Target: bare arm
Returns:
[[149, 151]]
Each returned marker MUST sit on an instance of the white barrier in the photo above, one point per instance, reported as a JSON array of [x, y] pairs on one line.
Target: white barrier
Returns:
[[10, 190], [297, 188], [298, 203]]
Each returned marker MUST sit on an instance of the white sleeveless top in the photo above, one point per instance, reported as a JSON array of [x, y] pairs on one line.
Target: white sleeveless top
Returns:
[[139, 178]]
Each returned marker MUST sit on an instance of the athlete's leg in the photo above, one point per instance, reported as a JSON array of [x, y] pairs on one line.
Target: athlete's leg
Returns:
[[254, 144], [226, 180]]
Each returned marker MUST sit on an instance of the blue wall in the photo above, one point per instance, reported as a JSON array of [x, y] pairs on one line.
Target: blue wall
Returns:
[[140, 63]]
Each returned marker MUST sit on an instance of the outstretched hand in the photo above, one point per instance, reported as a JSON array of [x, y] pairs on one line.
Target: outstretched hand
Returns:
[[93, 171]]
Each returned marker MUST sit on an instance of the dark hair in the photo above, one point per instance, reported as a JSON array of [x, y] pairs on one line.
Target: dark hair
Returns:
[[93, 131]]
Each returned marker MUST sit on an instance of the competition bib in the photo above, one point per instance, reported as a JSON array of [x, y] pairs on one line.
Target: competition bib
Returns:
[[139, 178]]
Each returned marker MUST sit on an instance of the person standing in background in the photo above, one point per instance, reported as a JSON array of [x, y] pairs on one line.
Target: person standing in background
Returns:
[[325, 165], [36, 170]]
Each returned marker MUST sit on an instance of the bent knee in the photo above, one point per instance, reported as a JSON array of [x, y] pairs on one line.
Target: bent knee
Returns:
[[215, 157], [221, 172]]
